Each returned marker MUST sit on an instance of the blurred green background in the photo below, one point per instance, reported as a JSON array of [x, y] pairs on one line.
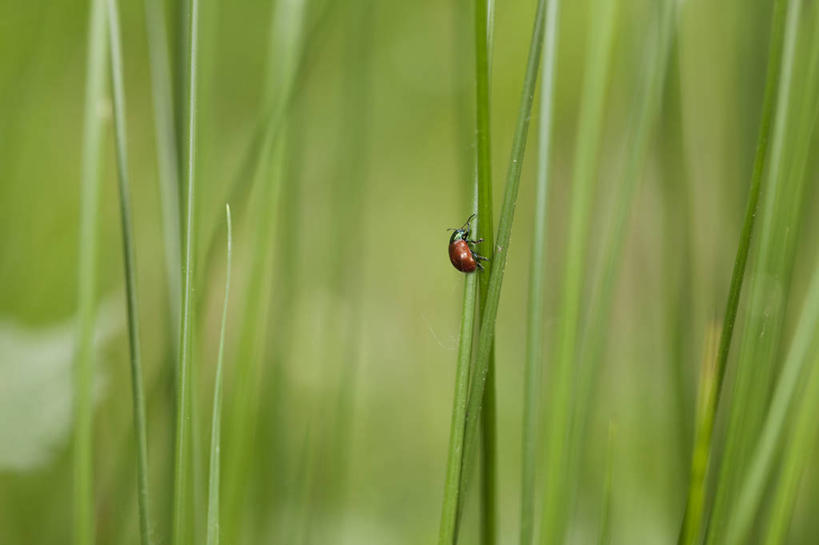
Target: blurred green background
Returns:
[[359, 331]]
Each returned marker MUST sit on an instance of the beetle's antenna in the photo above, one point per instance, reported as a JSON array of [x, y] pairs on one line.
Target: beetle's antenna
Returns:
[[469, 219]]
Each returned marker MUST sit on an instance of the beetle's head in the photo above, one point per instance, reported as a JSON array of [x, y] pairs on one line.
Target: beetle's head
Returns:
[[463, 232]]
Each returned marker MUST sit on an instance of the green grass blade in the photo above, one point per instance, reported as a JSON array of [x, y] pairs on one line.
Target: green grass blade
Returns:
[[138, 395], [605, 511], [793, 374], [486, 335], [643, 125], [751, 494], [167, 155], [706, 400], [533, 372], [756, 357], [647, 110], [760, 160], [484, 226], [559, 399], [286, 43], [96, 57], [797, 456], [216, 423], [449, 512], [182, 447]]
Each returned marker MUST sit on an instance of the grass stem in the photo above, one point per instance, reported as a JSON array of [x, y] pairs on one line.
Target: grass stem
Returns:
[[138, 394], [533, 372], [183, 387], [216, 422], [447, 533], [87, 263], [489, 315], [484, 22], [561, 376]]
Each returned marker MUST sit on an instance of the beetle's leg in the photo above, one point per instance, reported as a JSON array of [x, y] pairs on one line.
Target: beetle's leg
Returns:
[[478, 263], [475, 241]]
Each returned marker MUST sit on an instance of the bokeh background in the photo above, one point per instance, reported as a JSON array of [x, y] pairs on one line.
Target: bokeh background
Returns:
[[352, 326]]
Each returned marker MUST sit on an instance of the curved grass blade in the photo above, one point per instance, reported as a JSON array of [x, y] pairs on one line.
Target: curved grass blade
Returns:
[[793, 374], [96, 58], [797, 455], [764, 317], [738, 273], [750, 495], [138, 395], [216, 423]]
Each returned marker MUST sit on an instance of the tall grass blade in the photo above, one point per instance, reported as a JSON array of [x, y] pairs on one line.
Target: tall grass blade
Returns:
[[533, 372], [559, 399], [706, 400], [605, 512], [484, 21], [647, 110], [286, 35], [760, 161], [766, 304], [447, 533], [138, 395], [750, 495], [489, 315], [793, 375], [87, 263], [167, 156], [797, 454], [216, 422], [182, 460]]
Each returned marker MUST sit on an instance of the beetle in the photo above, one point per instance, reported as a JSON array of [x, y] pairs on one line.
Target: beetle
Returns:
[[461, 254]]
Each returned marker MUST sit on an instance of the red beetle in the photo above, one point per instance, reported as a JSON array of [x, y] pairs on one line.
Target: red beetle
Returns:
[[461, 254]]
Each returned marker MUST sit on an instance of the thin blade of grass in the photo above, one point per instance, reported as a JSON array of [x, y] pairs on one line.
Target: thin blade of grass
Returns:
[[216, 422], [797, 455], [706, 399], [647, 108], [751, 493], [183, 387], [167, 156], [447, 532], [533, 372], [760, 160], [87, 262], [489, 315], [484, 226], [766, 304], [561, 376], [793, 374], [138, 395], [605, 511], [286, 43]]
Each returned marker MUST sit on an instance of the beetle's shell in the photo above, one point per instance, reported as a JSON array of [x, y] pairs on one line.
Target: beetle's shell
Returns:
[[461, 256]]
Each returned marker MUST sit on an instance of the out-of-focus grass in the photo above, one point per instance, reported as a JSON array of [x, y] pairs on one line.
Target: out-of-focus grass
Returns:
[[562, 370], [355, 276], [129, 255], [87, 264]]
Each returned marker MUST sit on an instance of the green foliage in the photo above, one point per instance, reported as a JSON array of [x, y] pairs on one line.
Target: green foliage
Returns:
[[655, 258]]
